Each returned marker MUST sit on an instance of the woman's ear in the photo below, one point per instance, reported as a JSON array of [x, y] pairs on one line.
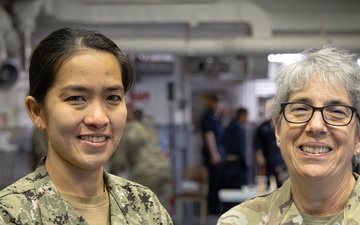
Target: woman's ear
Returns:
[[35, 112], [275, 123], [357, 146]]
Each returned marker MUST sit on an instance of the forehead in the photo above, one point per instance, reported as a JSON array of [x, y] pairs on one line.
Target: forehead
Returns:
[[88, 60], [89, 70], [318, 91]]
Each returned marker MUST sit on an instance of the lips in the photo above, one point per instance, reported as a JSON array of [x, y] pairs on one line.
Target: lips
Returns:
[[93, 139], [315, 150]]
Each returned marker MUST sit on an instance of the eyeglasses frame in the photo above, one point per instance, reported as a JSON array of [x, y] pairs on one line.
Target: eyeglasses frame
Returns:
[[321, 109]]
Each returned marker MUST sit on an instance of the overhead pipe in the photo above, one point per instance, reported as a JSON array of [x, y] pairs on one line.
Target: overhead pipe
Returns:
[[239, 45], [26, 13], [237, 11], [5, 27]]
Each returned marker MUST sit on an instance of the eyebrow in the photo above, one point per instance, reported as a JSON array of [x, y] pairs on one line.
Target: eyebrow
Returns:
[[78, 88], [330, 102], [115, 88]]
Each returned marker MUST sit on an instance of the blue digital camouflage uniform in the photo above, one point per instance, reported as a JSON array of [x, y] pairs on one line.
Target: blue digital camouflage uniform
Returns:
[[35, 200], [277, 208]]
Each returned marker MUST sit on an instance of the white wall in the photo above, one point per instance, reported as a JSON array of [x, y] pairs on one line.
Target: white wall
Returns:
[[151, 95], [12, 104]]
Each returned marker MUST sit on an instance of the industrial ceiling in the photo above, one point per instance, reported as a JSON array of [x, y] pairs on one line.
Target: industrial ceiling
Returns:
[[198, 27]]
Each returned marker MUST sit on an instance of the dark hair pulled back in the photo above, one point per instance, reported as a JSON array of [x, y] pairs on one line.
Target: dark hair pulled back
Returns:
[[61, 45]]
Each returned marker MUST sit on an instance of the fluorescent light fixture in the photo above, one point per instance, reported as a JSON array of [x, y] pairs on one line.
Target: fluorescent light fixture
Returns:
[[288, 58], [284, 58]]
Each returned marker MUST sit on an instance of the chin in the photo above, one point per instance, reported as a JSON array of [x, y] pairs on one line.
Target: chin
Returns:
[[93, 164], [315, 176]]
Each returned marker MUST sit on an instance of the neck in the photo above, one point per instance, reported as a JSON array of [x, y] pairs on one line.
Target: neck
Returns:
[[322, 198], [72, 180]]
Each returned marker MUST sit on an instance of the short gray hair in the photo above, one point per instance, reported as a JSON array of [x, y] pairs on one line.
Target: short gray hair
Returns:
[[331, 64]]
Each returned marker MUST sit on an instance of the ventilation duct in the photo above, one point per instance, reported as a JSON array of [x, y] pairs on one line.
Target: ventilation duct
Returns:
[[8, 75]]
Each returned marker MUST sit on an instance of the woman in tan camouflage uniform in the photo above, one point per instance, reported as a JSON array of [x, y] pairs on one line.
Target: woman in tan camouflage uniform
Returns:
[[78, 80], [317, 129]]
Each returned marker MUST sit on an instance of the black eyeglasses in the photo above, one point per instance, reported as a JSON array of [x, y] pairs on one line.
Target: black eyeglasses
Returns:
[[335, 115]]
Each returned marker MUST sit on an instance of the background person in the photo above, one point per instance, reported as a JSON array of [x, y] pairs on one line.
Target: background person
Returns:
[[267, 153], [212, 151], [38, 147], [234, 142], [78, 79], [316, 115], [139, 156]]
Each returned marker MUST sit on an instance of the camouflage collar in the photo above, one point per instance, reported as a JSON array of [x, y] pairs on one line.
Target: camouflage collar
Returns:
[[285, 212]]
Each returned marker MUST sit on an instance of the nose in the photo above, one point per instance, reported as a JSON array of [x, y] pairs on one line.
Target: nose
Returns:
[[96, 115], [317, 124]]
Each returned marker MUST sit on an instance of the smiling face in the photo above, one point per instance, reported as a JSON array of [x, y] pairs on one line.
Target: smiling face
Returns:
[[84, 112], [316, 150]]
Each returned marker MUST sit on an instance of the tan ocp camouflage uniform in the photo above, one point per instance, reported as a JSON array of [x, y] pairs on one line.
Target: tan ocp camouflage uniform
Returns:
[[278, 208], [35, 200], [38, 147], [139, 153]]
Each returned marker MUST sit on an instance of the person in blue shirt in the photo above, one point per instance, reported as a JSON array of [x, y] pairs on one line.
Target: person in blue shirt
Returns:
[[268, 155], [212, 151], [234, 142]]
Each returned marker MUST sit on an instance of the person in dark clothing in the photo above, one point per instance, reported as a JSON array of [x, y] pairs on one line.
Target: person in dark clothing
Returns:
[[268, 154], [234, 142], [212, 151]]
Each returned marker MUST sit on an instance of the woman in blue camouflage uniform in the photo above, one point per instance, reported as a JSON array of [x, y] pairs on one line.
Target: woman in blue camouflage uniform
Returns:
[[78, 81], [316, 115]]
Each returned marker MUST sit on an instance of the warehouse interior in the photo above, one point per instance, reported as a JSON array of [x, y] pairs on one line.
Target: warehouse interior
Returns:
[[182, 49]]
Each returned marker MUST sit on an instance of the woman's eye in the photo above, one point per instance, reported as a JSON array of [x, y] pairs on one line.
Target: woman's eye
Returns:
[[114, 98], [338, 111], [300, 109], [75, 98]]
